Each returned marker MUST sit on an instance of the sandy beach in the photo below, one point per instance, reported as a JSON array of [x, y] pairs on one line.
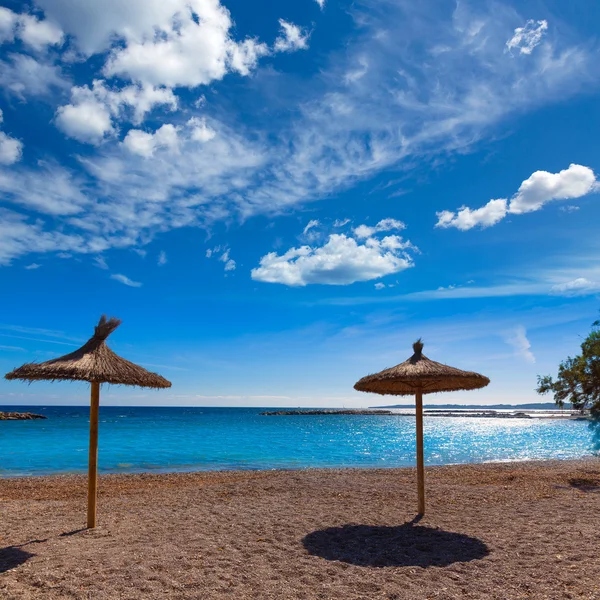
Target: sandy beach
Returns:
[[502, 531]]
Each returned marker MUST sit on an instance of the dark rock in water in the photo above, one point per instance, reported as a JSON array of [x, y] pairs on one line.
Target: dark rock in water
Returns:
[[328, 412], [17, 416]]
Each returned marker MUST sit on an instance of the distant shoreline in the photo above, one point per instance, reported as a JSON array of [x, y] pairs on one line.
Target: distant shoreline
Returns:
[[464, 413]]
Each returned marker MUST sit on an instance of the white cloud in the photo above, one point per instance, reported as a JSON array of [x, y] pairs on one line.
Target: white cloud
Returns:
[[522, 346], [39, 34], [125, 280], [379, 286], [140, 98], [244, 56], [539, 189], [87, 121], [8, 22], [230, 264], [89, 116], [341, 222], [543, 187], [292, 38], [200, 131], [310, 225], [11, 149], [312, 232], [465, 218], [25, 76], [19, 237], [50, 189], [340, 261], [364, 231], [36, 33], [100, 262], [162, 258], [569, 208], [189, 47], [33, 266], [526, 38], [321, 3], [355, 74], [577, 287], [145, 144]]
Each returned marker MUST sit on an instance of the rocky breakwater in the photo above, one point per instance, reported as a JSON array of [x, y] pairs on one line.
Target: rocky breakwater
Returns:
[[19, 416]]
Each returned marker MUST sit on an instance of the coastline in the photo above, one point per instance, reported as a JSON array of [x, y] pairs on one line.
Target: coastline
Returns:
[[501, 530]]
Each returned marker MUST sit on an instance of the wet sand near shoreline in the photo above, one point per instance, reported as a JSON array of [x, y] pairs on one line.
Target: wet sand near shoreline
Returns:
[[498, 531]]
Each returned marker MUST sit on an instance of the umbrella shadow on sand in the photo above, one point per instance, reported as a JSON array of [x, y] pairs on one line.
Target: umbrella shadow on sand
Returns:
[[13, 556], [405, 545]]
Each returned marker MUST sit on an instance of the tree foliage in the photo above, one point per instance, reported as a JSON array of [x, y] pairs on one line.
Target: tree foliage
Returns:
[[578, 380]]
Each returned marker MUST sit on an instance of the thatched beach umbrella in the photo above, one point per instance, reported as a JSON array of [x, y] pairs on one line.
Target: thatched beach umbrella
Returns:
[[419, 375], [97, 363]]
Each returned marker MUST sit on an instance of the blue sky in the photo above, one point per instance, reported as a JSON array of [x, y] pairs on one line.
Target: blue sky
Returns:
[[278, 199]]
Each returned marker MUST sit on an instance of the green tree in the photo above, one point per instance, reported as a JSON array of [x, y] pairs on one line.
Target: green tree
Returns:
[[578, 380]]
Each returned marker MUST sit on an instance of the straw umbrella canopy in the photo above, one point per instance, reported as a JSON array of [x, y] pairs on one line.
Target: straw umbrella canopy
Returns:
[[420, 375], [97, 363]]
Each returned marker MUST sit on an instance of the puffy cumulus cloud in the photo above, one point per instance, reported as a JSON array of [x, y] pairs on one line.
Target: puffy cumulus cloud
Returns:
[[34, 32], [526, 38], [536, 191], [342, 260], [292, 38], [96, 24], [190, 47], [364, 231], [168, 137], [89, 116], [543, 187], [86, 121], [145, 144], [466, 218], [162, 258], [125, 280], [8, 22], [39, 33], [243, 57], [11, 149], [321, 3], [140, 99], [522, 346], [577, 287]]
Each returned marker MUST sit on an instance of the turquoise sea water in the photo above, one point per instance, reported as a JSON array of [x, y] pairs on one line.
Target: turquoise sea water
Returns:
[[182, 439]]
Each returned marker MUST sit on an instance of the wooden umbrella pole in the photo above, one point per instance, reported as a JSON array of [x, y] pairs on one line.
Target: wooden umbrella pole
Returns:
[[420, 461], [93, 456]]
